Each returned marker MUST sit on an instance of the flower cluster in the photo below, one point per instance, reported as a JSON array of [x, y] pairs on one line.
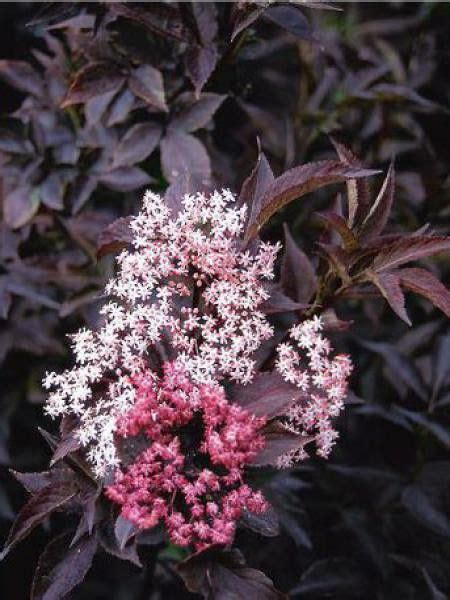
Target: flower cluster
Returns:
[[188, 280], [323, 381], [190, 476]]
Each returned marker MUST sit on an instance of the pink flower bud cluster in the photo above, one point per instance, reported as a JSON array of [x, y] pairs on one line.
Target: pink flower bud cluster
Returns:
[[306, 362], [187, 279], [191, 474]]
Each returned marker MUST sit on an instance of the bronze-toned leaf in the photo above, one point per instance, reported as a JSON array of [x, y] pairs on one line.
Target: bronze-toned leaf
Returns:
[[358, 192], [407, 249], [376, 220], [427, 285], [339, 224], [299, 181], [389, 285]]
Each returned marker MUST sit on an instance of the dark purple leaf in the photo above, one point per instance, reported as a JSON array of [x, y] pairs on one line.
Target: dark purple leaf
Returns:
[[389, 285], [120, 108], [279, 302], [40, 506], [427, 285], [183, 153], [358, 193], [20, 205], [125, 179], [267, 395], [35, 482], [278, 443], [254, 188], [124, 530], [80, 192], [138, 143], [297, 276], [115, 237], [22, 76], [51, 191], [376, 219], [110, 543], [427, 422], [299, 181], [427, 498], [96, 107], [13, 143], [197, 115], [328, 578], [95, 79], [408, 249], [292, 20], [265, 524], [339, 224], [147, 83], [66, 446], [162, 20], [222, 575], [200, 63], [174, 194], [441, 363], [62, 567], [402, 367], [246, 15]]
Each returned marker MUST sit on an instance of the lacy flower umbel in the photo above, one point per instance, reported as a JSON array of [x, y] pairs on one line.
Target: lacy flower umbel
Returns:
[[182, 328]]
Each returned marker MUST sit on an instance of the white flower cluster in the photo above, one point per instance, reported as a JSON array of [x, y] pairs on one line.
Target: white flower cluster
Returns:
[[187, 279]]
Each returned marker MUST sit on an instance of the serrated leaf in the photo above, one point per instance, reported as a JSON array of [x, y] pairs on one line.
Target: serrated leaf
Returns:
[[94, 79], [358, 192], [389, 285], [137, 143], [376, 220], [339, 224], [278, 443], [427, 285], [62, 567], [300, 181], [124, 530], [147, 83], [408, 249]]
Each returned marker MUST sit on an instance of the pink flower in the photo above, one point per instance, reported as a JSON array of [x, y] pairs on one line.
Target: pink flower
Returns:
[[191, 475]]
